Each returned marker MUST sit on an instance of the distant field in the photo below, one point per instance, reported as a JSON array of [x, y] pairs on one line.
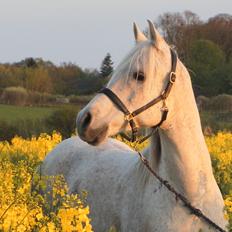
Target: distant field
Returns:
[[11, 113]]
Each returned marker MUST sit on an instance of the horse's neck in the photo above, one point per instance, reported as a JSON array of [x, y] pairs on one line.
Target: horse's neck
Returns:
[[184, 158]]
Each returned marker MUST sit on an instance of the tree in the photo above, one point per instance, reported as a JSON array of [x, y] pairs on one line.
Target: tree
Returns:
[[179, 29], [182, 29], [106, 66], [38, 80], [219, 30], [27, 62], [206, 60]]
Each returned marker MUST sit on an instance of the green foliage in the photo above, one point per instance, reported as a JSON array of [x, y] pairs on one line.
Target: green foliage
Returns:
[[63, 120], [106, 66], [224, 81], [207, 54], [7, 131], [22, 127], [205, 46], [205, 60], [36, 75], [90, 84]]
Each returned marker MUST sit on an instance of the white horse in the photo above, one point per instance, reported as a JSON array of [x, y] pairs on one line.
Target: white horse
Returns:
[[121, 192]]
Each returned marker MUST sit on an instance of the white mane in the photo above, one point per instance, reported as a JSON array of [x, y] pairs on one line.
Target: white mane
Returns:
[[141, 58]]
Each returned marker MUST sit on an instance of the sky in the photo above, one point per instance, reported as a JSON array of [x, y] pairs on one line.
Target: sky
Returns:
[[83, 31]]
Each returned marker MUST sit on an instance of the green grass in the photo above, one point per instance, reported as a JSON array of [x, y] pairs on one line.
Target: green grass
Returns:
[[29, 121], [10, 113]]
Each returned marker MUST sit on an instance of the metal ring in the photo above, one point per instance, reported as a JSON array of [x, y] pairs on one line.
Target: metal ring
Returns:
[[128, 117], [170, 77]]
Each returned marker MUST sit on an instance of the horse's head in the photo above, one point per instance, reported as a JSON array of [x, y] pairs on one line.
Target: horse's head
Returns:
[[139, 78]]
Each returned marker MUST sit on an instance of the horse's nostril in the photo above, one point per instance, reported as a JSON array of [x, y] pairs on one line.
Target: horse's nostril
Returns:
[[86, 120]]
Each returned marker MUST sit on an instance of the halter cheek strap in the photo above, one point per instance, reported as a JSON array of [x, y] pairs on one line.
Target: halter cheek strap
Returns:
[[129, 117]]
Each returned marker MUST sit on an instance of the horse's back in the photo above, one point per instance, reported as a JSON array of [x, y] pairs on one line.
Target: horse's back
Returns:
[[73, 152], [98, 170]]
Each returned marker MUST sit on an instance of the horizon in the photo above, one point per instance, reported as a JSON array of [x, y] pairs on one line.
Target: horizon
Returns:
[[83, 32]]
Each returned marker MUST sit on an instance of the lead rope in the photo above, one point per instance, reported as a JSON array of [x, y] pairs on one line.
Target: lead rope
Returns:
[[171, 189]]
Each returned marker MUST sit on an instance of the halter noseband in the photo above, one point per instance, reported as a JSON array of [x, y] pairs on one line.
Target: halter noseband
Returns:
[[129, 117]]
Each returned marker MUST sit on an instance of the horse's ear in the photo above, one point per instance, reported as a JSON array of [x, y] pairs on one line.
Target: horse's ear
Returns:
[[139, 36], [154, 35]]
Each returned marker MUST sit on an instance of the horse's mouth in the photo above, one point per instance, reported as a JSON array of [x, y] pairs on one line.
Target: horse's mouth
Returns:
[[100, 137]]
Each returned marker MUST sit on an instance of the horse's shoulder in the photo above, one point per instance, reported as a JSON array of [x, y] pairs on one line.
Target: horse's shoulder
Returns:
[[74, 150]]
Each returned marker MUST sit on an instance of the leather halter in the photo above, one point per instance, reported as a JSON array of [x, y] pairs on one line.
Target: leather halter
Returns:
[[129, 117]]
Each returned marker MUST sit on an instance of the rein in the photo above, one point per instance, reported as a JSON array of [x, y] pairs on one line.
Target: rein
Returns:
[[179, 196], [129, 117]]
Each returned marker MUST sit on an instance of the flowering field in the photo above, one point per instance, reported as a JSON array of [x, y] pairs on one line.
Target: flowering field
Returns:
[[23, 208]]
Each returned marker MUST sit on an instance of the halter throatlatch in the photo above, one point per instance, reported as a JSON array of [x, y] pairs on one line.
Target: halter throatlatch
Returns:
[[129, 117]]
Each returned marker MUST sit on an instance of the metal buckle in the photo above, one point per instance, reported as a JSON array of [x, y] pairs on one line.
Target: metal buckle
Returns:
[[164, 107], [170, 77], [128, 117]]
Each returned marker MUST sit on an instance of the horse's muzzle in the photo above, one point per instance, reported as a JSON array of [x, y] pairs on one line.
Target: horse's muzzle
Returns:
[[93, 136]]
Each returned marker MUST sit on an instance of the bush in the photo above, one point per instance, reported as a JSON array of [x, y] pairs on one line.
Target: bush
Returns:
[[24, 128], [37, 98], [1, 91], [90, 85], [20, 96], [34, 98], [7, 131], [80, 100], [216, 112], [63, 120], [221, 103], [216, 121], [14, 96], [48, 98], [202, 102]]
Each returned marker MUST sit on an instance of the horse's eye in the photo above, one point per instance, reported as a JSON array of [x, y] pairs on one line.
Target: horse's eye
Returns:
[[139, 76]]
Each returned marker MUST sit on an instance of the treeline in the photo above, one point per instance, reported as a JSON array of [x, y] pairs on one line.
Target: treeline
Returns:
[[36, 75], [205, 48]]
